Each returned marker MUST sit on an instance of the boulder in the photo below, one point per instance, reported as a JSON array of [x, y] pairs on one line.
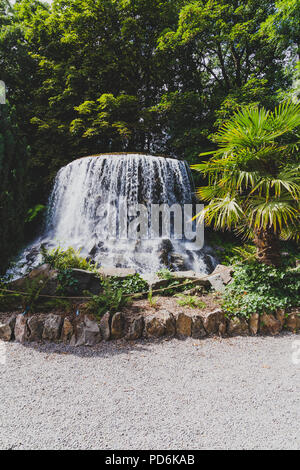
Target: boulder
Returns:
[[225, 273], [105, 326], [154, 327], [88, 333], [52, 327], [5, 332], [117, 326], [198, 330], [183, 325], [44, 271], [180, 279], [164, 250], [254, 324], [222, 328], [177, 261], [21, 329], [169, 322], [214, 322], [43, 274], [269, 325], [7, 328], [216, 282], [135, 329], [86, 281], [293, 321], [116, 272], [281, 317], [237, 327], [35, 325], [187, 274], [67, 331]]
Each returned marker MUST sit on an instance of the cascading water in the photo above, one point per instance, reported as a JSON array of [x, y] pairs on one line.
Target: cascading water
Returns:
[[82, 209]]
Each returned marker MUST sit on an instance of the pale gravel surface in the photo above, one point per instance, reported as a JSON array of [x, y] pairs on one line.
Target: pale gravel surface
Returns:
[[240, 393]]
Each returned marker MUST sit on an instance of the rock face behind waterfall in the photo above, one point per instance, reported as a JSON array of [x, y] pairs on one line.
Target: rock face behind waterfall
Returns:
[[87, 204]]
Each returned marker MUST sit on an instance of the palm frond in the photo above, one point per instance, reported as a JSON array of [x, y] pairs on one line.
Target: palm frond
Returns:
[[276, 213], [222, 213]]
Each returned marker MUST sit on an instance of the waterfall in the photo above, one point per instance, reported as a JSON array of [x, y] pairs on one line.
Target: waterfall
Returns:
[[85, 202]]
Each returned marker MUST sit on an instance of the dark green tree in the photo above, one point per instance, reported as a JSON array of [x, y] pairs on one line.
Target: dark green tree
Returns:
[[13, 165]]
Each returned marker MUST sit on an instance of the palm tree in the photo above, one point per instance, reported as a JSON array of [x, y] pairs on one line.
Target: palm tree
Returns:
[[254, 178]]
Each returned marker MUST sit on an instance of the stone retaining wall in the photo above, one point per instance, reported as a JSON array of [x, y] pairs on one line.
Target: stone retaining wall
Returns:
[[86, 331]]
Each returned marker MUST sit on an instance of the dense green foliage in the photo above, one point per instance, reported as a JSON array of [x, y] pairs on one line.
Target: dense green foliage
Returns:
[[111, 299], [131, 284], [13, 164], [115, 293], [258, 288], [160, 76]]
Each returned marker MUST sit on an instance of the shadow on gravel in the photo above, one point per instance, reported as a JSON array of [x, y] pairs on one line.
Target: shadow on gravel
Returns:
[[103, 349], [118, 347]]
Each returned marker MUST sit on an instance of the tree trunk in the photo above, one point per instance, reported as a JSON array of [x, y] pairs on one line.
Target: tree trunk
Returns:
[[267, 247]]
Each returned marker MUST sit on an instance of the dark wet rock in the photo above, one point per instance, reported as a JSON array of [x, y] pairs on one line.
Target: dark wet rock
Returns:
[[164, 250], [177, 262], [85, 281]]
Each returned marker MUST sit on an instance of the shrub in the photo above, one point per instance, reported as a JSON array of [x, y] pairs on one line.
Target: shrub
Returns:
[[131, 284], [258, 288], [67, 259], [115, 294], [111, 299]]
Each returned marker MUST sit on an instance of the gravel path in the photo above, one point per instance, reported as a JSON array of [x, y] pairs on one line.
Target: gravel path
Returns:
[[215, 394]]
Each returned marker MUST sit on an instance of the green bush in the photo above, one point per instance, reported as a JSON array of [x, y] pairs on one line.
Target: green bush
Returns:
[[131, 284], [258, 288], [111, 300], [67, 259]]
